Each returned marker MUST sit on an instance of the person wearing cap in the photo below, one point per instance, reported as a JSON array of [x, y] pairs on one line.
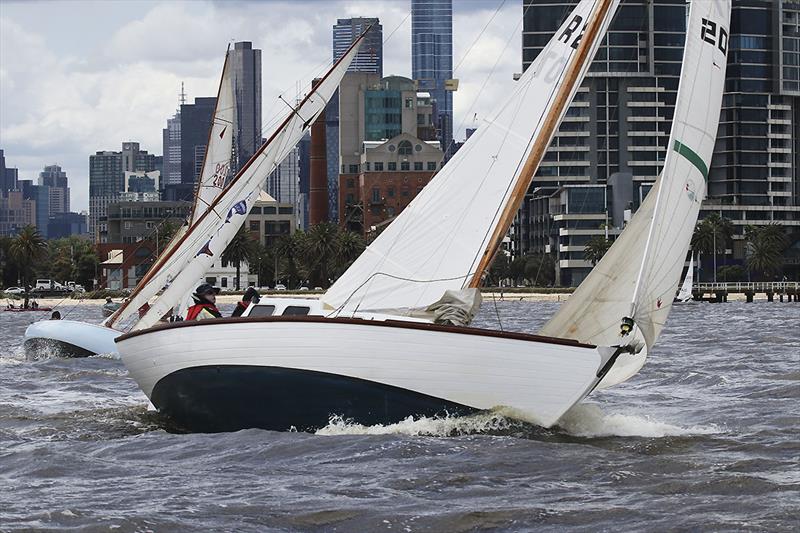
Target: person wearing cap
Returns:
[[205, 303], [250, 296]]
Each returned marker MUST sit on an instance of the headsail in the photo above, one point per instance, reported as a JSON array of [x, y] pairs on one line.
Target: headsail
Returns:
[[216, 166], [437, 243], [209, 236], [685, 293], [638, 275]]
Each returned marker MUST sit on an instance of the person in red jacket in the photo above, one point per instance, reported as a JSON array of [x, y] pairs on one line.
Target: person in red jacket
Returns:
[[250, 295], [205, 303]]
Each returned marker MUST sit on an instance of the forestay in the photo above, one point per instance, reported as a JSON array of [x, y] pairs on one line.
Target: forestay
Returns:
[[652, 248], [216, 167], [209, 236], [435, 244]]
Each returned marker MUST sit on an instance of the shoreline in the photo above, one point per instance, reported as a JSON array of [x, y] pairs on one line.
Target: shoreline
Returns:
[[516, 295]]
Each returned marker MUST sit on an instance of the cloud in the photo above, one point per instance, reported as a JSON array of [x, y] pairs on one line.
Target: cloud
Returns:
[[64, 96]]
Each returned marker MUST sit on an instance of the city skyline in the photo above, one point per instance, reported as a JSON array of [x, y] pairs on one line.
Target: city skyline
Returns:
[[62, 101]]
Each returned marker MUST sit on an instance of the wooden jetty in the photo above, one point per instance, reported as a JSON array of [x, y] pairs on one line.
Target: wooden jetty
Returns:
[[718, 292]]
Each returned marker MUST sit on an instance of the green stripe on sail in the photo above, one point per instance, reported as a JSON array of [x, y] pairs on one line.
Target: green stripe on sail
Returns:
[[693, 158]]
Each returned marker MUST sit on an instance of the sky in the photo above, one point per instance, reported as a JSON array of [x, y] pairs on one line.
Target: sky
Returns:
[[77, 77]]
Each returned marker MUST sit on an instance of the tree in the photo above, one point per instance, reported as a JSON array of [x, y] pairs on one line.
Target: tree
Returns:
[[500, 268], [27, 249], [241, 248], [711, 236], [540, 270], [765, 246], [349, 246], [596, 248]]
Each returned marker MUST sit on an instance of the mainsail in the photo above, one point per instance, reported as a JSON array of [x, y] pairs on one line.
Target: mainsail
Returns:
[[638, 275], [439, 242], [209, 236], [685, 293], [216, 166]]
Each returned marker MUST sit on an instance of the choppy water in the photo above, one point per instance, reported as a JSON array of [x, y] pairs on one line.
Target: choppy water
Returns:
[[704, 438]]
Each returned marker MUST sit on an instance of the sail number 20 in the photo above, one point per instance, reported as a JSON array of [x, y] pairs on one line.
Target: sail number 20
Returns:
[[708, 33]]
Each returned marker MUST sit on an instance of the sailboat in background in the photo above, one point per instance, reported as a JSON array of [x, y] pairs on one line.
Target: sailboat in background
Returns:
[[685, 292], [380, 345], [72, 338]]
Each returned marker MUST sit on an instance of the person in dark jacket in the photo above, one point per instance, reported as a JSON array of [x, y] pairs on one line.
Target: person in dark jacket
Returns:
[[205, 303], [250, 296]]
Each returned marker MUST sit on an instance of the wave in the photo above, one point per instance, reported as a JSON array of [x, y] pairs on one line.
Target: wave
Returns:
[[589, 420], [447, 426]]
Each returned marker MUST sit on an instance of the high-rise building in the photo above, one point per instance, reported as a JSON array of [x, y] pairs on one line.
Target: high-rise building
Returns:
[[304, 186], [618, 122], [171, 142], [107, 179], [8, 176], [52, 176], [195, 123], [432, 60], [283, 183], [755, 172], [246, 75], [368, 60]]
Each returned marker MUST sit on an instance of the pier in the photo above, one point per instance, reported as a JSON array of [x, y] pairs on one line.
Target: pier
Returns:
[[718, 292]]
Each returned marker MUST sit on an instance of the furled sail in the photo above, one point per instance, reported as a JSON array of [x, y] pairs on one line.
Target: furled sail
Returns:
[[685, 293], [209, 236], [216, 166], [638, 275], [438, 241]]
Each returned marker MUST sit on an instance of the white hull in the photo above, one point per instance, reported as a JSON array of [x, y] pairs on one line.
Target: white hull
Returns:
[[537, 378], [69, 338]]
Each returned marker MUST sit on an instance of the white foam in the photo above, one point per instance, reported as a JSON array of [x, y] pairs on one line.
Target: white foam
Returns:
[[588, 420], [440, 427]]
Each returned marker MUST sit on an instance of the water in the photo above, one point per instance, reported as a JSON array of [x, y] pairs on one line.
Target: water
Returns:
[[704, 438]]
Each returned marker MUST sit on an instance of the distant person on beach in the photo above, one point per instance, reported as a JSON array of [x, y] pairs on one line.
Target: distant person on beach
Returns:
[[250, 296], [55, 316], [205, 303]]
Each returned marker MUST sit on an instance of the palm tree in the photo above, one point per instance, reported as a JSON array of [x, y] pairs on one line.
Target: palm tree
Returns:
[[27, 248], [319, 252], [596, 248], [349, 246], [711, 235], [765, 247], [241, 248]]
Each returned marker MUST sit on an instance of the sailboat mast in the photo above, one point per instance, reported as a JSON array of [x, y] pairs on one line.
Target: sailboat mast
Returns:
[[543, 140]]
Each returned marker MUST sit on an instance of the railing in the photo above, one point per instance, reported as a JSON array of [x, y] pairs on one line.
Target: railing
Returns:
[[747, 286]]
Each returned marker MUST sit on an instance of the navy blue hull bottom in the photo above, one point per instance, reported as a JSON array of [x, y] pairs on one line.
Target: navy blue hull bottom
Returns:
[[230, 398], [42, 348]]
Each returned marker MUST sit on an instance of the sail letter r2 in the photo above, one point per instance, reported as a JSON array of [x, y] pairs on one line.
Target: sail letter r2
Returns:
[[574, 24]]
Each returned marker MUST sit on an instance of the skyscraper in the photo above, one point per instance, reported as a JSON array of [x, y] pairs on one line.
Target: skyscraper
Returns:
[[246, 76], [107, 179], [432, 60], [194, 127], [369, 59], [171, 142], [52, 176]]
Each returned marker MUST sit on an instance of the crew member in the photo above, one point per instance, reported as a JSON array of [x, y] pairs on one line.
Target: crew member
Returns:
[[250, 296], [205, 303], [55, 316]]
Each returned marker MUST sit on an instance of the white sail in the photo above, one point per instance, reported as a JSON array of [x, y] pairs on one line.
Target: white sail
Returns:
[[216, 166], [209, 236], [685, 292], [638, 275], [436, 243]]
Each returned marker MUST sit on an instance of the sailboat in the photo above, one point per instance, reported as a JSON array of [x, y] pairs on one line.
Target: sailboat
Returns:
[[72, 338], [685, 292], [388, 340]]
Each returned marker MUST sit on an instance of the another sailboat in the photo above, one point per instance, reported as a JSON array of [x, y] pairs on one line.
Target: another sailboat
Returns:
[[380, 345], [72, 338], [685, 292]]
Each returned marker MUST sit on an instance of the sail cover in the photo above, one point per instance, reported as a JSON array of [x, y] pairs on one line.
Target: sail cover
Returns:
[[653, 247], [216, 166], [435, 244], [209, 236]]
